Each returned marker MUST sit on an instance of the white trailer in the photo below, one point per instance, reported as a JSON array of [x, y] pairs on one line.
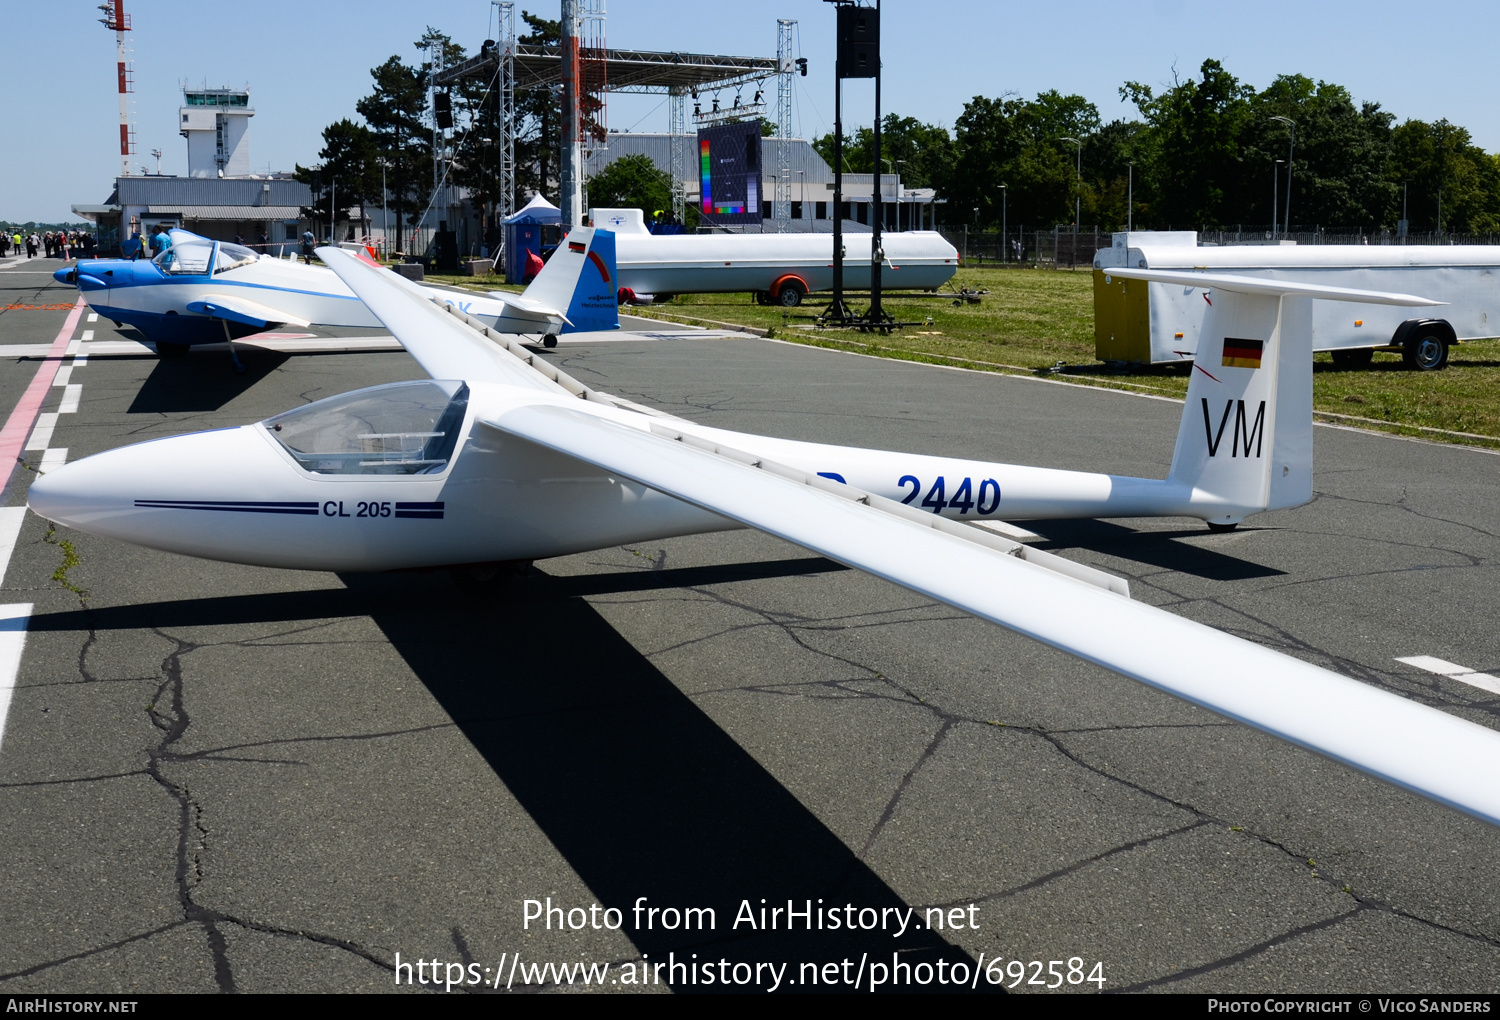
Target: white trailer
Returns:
[[1157, 323], [778, 268]]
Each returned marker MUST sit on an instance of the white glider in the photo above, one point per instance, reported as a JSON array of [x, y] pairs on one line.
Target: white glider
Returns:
[[502, 457], [202, 291]]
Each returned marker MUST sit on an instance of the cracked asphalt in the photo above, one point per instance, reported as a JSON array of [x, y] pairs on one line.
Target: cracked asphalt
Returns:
[[224, 778]]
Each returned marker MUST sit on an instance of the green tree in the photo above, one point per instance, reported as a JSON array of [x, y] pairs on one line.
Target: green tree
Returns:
[[1340, 174], [1016, 143], [394, 112], [1449, 178], [350, 172], [1194, 173], [539, 121], [632, 182]]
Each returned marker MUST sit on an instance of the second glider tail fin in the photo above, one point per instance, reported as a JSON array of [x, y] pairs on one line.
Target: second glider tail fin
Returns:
[[1245, 440], [577, 283]]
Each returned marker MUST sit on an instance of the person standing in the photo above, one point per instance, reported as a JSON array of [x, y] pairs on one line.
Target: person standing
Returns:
[[31, 245], [309, 242], [162, 241]]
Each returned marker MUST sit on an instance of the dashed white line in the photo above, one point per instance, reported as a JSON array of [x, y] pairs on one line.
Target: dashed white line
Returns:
[[93, 316], [12, 617], [1453, 671], [63, 374], [42, 434], [1007, 529], [53, 458], [88, 334], [71, 395]]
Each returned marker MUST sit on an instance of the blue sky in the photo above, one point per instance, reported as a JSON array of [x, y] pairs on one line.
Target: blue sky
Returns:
[[308, 61]]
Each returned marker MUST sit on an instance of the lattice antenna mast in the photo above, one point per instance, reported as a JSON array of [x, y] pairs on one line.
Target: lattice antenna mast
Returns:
[[117, 21], [506, 97], [782, 207]]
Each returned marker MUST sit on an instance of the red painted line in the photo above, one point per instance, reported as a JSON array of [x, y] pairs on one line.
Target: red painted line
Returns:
[[18, 425], [1205, 372]]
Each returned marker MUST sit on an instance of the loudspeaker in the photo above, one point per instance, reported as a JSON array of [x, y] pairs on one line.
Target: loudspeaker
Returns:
[[858, 42]]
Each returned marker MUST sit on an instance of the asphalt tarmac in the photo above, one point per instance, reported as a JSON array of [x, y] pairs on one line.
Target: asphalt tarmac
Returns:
[[217, 778]]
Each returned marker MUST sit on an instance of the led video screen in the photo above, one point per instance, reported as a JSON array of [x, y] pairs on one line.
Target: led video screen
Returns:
[[729, 170]]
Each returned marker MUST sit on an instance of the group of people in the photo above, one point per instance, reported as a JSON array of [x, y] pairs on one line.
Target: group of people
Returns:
[[58, 244]]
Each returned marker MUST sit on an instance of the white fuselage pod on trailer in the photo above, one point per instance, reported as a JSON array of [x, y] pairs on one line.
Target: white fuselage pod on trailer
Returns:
[[726, 263], [1466, 278], [510, 463]]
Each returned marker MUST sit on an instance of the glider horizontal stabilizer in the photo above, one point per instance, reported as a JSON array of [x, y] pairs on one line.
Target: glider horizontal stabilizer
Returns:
[[1264, 285]]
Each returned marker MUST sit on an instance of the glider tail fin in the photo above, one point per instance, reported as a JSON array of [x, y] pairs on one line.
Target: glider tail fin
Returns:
[[1245, 441], [580, 278]]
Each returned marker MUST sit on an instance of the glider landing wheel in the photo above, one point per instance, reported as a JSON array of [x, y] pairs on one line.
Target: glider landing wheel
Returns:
[[1219, 529], [1426, 352], [550, 340], [171, 350], [489, 580]]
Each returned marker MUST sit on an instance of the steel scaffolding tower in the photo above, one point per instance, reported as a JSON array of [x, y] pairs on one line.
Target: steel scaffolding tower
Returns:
[[593, 82], [677, 148], [781, 210], [506, 97]]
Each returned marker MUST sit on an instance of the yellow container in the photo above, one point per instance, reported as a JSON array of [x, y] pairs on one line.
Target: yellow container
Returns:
[[1122, 319]]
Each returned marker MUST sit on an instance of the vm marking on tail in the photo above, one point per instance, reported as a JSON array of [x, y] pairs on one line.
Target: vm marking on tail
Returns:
[[1253, 431]]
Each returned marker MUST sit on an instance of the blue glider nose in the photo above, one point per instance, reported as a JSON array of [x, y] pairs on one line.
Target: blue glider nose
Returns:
[[67, 275]]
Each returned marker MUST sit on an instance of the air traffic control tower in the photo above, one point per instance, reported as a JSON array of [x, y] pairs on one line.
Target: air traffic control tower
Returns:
[[215, 123]]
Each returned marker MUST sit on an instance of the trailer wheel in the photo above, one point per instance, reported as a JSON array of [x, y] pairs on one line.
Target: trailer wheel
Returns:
[[790, 294], [762, 298], [1358, 357], [1426, 350]]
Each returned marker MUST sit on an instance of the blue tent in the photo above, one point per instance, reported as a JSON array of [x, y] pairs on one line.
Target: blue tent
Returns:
[[523, 233]]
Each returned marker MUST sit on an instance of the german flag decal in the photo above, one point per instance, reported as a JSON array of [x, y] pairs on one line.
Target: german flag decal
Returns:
[[1242, 353], [577, 246]]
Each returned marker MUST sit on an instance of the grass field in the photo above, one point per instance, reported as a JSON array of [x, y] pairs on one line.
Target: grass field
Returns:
[[1041, 321]]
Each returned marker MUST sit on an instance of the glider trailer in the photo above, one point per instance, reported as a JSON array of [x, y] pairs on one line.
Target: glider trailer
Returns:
[[1154, 322]]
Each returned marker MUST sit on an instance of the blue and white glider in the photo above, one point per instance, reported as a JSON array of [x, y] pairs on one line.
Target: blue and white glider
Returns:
[[201, 291]]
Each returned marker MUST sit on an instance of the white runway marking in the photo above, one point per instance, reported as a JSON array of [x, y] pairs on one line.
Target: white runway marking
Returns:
[[71, 396], [53, 458], [12, 643], [1453, 671], [61, 379], [1007, 529], [42, 434], [12, 617], [93, 317]]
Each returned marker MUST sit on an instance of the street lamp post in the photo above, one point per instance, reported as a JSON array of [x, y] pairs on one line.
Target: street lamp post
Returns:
[[1004, 227], [1078, 194], [1286, 221], [1275, 180], [802, 190]]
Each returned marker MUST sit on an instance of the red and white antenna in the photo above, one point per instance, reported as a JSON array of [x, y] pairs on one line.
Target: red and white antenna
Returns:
[[117, 21]]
